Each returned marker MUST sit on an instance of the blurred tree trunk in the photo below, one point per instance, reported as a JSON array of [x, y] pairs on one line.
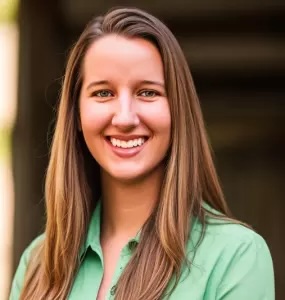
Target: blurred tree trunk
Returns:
[[39, 67]]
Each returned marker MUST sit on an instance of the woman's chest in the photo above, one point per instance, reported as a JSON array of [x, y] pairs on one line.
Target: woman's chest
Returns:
[[96, 281], [92, 284], [111, 257]]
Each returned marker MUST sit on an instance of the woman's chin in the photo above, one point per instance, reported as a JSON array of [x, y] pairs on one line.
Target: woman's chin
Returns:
[[126, 175]]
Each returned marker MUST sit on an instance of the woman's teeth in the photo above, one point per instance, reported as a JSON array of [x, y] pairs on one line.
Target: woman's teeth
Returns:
[[127, 144]]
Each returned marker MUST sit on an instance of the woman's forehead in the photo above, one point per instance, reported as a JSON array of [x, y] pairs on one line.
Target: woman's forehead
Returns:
[[114, 55]]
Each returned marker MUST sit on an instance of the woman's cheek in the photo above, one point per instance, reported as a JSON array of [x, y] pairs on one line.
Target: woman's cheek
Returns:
[[95, 116], [158, 116]]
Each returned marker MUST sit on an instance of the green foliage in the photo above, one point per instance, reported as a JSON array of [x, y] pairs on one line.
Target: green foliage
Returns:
[[8, 11]]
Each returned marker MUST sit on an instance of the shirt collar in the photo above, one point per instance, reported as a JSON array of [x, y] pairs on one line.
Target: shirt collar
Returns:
[[94, 229], [93, 234]]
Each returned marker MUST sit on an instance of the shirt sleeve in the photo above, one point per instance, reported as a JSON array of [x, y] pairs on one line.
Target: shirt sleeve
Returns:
[[249, 274], [18, 280]]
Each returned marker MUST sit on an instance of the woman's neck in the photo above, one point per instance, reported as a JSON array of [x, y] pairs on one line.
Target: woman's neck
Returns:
[[126, 206]]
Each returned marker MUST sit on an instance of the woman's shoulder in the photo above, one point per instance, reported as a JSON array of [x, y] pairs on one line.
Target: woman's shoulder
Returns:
[[19, 276], [224, 234], [28, 252], [234, 256], [226, 229]]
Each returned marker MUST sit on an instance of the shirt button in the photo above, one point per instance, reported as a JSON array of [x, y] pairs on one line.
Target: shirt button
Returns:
[[113, 290], [132, 245]]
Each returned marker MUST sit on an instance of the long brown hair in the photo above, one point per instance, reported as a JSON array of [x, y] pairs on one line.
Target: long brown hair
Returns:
[[190, 176]]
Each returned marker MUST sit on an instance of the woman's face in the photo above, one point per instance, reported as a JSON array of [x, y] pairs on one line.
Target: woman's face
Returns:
[[124, 111]]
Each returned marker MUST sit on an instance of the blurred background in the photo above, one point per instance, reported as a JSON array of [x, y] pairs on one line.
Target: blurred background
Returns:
[[236, 51]]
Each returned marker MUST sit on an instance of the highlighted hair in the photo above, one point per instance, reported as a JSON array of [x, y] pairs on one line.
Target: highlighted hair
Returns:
[[190, 177]]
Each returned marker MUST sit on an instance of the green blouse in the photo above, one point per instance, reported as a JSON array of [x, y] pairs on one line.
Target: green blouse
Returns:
[[231, 263]]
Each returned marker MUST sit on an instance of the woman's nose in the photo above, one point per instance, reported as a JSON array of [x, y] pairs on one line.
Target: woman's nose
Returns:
[[125, 116]]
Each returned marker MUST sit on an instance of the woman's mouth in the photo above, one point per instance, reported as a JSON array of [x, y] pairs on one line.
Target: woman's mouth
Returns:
[[127, 144], [126, 147]]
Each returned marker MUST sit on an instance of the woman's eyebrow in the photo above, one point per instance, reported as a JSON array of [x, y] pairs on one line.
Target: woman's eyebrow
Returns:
[[100, 82], [152, 82], [93, 83]]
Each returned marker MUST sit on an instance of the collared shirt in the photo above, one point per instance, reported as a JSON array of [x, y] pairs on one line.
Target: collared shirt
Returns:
[[231, 263]]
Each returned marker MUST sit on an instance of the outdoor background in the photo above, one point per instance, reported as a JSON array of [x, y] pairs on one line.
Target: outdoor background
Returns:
[[236, 52]]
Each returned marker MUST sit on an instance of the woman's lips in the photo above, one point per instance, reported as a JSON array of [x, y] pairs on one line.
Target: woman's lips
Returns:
[[125, 152]]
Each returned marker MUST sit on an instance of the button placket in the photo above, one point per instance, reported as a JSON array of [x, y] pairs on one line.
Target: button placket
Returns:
[[117, 275], [125, 256]]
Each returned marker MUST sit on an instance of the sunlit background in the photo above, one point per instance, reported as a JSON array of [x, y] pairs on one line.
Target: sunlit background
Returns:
[[236, 51], [8, 99]]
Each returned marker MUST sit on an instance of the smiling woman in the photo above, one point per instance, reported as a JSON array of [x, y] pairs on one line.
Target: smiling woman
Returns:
[[134, 207], [123, 90]]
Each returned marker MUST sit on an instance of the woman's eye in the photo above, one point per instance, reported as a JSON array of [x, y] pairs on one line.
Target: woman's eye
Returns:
[[148, 93], [102, 94]]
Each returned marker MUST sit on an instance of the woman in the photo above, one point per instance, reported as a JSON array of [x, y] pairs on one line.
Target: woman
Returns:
[[134, 206]]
